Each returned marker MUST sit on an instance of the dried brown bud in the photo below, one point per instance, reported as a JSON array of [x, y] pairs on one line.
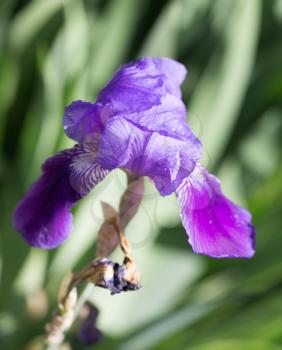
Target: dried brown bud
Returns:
[[102, 271]]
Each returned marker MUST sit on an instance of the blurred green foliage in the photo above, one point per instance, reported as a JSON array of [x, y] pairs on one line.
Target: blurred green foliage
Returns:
[[54, 51]]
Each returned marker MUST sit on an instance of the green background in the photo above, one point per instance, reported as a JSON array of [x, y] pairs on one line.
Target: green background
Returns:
[[55, 51]]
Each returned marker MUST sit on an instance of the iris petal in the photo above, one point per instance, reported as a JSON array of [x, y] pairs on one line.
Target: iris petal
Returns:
[[43, 216], [141, 85], [136, 87], [86, 172], [216, 226], [147, 133], [168, 119], [166, 160], [174, 72], [83, 121]]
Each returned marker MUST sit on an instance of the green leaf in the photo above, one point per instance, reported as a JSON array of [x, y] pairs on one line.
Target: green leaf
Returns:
[[237, 344], [31, 20], [220, 92]]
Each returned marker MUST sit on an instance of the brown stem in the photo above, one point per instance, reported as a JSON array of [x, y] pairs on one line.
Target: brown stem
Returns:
[[101, 272]]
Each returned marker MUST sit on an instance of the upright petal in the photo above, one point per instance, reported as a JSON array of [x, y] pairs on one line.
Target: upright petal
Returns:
[[166, 160], [140, 85], [168, 119], [83, 121], [146, 92], [174, 72], [43, 216], [216, 226]]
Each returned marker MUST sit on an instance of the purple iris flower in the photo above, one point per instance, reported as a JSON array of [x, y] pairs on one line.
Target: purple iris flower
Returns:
[[88, 334], [138, 124]]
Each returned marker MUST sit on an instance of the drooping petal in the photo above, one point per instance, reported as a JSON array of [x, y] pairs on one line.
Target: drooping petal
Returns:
[[83, 121], [43, 216], [140, 85], [85, 171], [166, 160], [216, 226]]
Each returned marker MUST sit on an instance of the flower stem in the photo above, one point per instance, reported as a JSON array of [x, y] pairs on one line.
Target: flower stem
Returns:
[[100, 272]]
